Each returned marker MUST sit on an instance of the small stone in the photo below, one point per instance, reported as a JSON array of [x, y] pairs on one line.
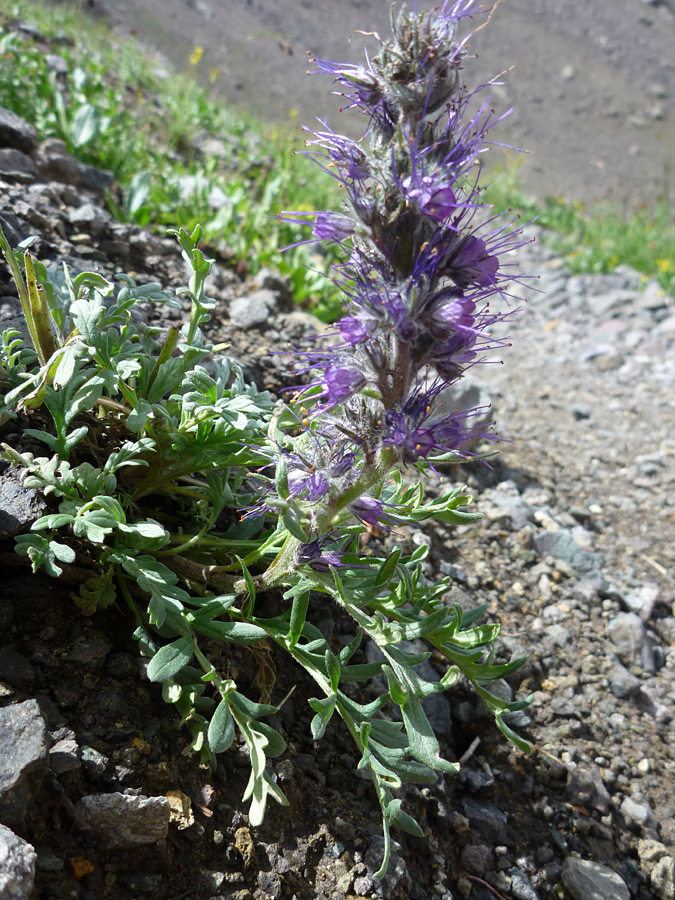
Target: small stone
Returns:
[[89, 218], [249, 312], [622, 683], [561, 545], [581, 411], [63, 756], [124, 820], [521, 886], [95, 763], [90, 652], [663, 878], [478, 859], [586, 880], [585, 787], [487, 820], [19, 506], [17, 866], [628, 634], [15, 669], [638, 813], [650, 852]]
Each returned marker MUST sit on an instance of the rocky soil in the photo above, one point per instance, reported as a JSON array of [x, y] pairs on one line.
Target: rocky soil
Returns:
[[100, 796]]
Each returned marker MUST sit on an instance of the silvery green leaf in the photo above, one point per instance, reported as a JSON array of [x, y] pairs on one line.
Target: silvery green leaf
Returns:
[[220, 732], [397, 816], [170, 659], [423, 743], [237, 632]]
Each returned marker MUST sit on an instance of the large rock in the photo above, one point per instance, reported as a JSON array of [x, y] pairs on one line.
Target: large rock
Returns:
[[53, 161], [16, 132], [124, 820], [17, 866], [23, 759], [586, 880], [17, 165]]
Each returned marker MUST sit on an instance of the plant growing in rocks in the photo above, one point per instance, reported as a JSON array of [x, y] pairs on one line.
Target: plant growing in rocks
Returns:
[[184, 492]]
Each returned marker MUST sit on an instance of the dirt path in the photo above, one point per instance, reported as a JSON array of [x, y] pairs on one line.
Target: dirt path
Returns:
[[592, 85]]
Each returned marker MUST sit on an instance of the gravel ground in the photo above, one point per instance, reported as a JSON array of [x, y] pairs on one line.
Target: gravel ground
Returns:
[[99, 794]]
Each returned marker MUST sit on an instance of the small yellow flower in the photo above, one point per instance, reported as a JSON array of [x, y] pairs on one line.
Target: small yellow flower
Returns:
[[665, 265], [293, 113], [196, 55], [213, 74]]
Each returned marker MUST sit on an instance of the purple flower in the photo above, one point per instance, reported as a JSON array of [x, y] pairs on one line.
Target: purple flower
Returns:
[[418, 431], [315, 555], [362, 81], [356, 330], [326, 226], [342, 153], [373, 512], [308, 484], [332, 226], [339, 382]]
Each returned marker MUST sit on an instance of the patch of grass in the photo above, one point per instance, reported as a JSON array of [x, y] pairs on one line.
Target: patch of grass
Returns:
[[119, 109], [598, 240]]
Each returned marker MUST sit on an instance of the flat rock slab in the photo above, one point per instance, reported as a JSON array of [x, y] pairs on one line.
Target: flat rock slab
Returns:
[[126, 821]]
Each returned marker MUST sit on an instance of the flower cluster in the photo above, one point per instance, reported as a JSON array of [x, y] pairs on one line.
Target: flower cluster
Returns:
[[425, 258]]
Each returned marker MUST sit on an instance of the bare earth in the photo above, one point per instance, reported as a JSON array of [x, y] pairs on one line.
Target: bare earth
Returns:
[[592, 84]]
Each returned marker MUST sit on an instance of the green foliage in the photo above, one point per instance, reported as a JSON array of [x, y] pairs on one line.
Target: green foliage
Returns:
[[149, 451]]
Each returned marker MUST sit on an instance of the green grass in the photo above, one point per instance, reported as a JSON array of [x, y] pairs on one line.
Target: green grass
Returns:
[[114, 110], [598, 240]]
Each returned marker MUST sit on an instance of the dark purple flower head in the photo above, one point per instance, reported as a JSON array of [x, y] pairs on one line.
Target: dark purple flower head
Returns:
[[470, 263], [315, 555], [363, 85], [432, 198], [457, 314]]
